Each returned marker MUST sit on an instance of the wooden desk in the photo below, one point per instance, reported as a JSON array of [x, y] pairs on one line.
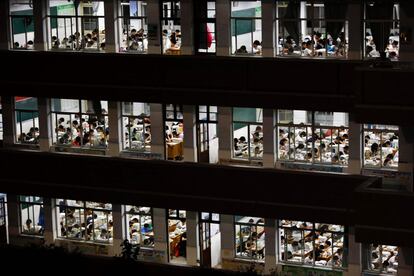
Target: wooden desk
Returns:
[[175, 149]]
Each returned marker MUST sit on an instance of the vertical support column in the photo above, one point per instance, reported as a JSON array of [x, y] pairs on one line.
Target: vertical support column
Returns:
[[187, 27], [45, 128], [406, 49], [40, 28], [405, 261], [223, 35], [268, 37], [355, 156], [115, 128], [118, 229], [160, 235], [154, 27], [4, 25], [50, 218], [268, 139], [9, 120], [111, 32], [355, 36], [13, 218], [303, 23], [224, 132], [354, 255], [157, 130], [190, 144], [192, 223], [227, 239], [270, 246], [406, 156]]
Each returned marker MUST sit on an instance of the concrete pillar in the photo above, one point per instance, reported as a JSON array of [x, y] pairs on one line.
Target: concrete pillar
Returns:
[[405, 261], [270, 246], [354, 255], [50, 229], [406, 157], [227, 238], [118, 230], [154, 28], [192, 238], [13, 218], [45, 127], [187, 27], [223, 35], [115, 128], [157, 130], [303, 23], [355, 151], [268, 37], [40, 9], [354, 15], [224, 132], [111, 31], [190, 133], [160, 235], [9, 121], [269, 150], [4, 25], [406, 22]]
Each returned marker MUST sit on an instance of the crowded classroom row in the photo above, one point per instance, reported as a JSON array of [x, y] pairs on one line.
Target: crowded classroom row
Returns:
[[309, 137], [300, 243], [301, 28]]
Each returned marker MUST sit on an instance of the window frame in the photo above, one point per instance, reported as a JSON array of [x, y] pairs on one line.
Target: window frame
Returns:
[[249, 141], [19, 123], [125, 21], [379, 129], [260, 222], [31, 203], [176, 110], [130, 119], [77, 27], [253, 22], [283, 229], [312, 126], [81, 114], [140, 214], [83, 206]]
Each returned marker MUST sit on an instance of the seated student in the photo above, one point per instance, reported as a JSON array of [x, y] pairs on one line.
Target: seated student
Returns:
[[257, 47], [241, 50]]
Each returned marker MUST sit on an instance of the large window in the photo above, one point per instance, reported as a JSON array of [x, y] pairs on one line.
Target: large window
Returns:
[[177, 233], [133, 26], [174, 131], [22, 24], [205, 26], [80, 123], [380, 146], [27, 120], [32, 215], [383, 259], [84, 220], [246, 27], [248, 133], [314, 137], [140, 226], [311, 29], [382, 29], [171, 27], [313, 244], [249, 237], [136, 126], [77, 25]]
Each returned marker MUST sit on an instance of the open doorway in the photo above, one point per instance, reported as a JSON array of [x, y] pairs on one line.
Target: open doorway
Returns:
[[207, 140], [210, 240]]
